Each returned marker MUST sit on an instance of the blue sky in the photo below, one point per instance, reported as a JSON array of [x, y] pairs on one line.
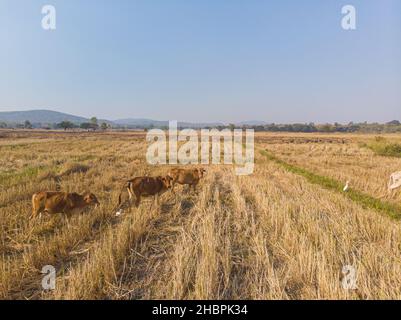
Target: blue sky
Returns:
[[203, 60]]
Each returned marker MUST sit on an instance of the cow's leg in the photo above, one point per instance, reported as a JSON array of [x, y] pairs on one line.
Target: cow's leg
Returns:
[[49, 211], [35, 212], [125, 205], [138, 200], [129, 201], [36, 207], [65, 218], [46, 211], [151, 204], [172, 187], [130, 194], [193, 186]]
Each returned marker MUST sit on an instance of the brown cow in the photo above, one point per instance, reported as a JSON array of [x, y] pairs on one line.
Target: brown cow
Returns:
[[53, 202], [144, 187], [190, 177]]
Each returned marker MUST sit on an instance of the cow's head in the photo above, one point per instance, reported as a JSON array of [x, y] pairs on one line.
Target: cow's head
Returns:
[[202, 172], [167, 181], [91, 200]]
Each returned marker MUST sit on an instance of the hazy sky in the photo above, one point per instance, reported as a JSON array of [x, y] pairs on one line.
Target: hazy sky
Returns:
[[203, 60]]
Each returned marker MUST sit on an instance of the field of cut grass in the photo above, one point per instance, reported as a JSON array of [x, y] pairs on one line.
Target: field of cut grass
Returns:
[[284, 232], [367, 171]]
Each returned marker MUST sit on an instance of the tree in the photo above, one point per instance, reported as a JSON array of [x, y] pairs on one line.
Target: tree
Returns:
[[27, 125], [65, 125], [94, 124], [86, 125], [104, 126], [326, 128]]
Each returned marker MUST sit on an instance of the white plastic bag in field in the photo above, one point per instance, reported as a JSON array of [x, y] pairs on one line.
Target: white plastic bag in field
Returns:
[[395, 181]]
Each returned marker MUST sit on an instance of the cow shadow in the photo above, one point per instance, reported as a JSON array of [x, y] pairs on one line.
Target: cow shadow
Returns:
[[184, 206]]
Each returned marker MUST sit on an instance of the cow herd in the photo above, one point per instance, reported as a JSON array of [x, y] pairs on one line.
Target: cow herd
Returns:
[[54, 202]]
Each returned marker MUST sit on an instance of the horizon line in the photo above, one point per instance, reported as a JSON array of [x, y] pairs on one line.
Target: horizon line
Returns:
[[265, 122]]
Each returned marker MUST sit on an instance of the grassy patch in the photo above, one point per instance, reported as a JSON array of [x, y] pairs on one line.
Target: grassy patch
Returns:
[[365, 200], [382, 147], [14, 177], [11, 178], [28, 172]]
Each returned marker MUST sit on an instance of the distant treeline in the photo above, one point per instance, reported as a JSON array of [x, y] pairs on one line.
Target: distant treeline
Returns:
[[65, 125], [393, 126], [389, 127]]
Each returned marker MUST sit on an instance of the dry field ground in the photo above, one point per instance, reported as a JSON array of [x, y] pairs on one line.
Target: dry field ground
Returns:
[[271, 235]]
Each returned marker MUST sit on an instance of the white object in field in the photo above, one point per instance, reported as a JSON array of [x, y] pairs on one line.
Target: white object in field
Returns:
[[395, 181], [118, 213], [346, 186]]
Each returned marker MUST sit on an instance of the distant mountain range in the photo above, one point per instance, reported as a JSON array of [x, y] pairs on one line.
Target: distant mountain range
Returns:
[[51, 117], [40, 116]]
